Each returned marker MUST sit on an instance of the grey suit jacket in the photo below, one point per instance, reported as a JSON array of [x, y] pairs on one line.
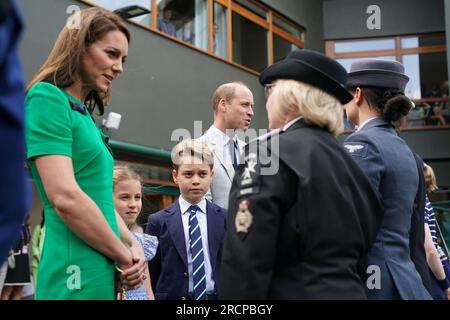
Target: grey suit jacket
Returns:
[[223, 168]]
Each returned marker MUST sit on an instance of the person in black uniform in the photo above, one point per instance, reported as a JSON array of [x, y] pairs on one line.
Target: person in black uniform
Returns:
[[303, 229]]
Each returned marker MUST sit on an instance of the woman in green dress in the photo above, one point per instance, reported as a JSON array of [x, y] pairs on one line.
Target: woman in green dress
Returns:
[[72, 164]]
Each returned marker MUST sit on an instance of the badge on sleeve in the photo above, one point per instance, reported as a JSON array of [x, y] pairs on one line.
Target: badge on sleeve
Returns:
[[358, 149], [244, 217], [250, 177]]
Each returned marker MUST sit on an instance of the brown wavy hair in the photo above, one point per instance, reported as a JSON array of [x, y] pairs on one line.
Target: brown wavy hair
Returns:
[[63, 64]]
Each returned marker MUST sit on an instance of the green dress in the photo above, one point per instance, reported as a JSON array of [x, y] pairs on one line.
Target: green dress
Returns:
[[55, 125]]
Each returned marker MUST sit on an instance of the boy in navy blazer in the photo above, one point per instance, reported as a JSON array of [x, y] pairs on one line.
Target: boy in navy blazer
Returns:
[[191, 231]]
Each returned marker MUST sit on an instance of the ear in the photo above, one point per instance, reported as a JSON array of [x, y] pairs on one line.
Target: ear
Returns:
[[358, 96], [174, 176], [222, 105]]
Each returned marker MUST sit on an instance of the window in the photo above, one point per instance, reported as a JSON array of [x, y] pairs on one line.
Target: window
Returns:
[[249, 43], [186, 20], [220, 30], [288, 27], [244, 33], [281, 48], [425, 60], [369, 45]]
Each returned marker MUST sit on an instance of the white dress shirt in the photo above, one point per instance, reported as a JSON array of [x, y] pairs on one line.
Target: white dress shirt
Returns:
[[225, 141], [201, 217]]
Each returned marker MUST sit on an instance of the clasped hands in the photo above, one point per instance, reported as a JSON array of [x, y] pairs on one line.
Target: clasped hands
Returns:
[[132, 272]]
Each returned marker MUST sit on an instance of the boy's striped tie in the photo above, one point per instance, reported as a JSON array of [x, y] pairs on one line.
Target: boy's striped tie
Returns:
[[198, 262]]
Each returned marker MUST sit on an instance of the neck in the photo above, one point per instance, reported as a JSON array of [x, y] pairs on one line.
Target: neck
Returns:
[[291, 116], [366, 113], [78, 91], [221, 125], [192, 201]]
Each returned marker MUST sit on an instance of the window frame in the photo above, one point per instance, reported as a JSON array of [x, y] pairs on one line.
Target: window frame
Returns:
[[398, 52]]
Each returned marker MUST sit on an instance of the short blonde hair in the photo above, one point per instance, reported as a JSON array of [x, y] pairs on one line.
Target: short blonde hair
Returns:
[[122, 173], [192, 148], [430, 178], [316, 106]]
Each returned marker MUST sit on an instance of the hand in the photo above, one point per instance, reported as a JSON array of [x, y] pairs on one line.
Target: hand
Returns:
[[133, 276], [447, 293]]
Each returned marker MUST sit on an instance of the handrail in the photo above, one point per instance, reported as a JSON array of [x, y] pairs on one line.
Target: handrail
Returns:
[[159, 155]]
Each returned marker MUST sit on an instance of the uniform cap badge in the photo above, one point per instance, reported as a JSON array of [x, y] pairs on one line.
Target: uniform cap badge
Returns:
[[244, 217]]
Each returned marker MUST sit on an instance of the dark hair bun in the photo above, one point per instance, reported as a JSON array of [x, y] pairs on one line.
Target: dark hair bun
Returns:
[[395, 105]]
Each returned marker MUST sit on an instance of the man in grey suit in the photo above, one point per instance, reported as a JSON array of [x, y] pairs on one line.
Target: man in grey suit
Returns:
[[233, 110]]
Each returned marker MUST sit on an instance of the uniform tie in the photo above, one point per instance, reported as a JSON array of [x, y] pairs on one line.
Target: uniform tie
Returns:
[[198, 262]]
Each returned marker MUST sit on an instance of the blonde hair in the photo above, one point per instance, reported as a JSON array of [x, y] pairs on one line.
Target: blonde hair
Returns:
[[430, 178], [316, 106], [62, 65], [226, 91], [122, 173], [192, 148]]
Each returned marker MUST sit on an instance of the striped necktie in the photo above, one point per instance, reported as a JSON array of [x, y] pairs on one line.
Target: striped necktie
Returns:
[[198, 262]]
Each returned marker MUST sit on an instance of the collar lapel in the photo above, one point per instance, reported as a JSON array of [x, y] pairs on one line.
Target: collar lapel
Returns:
[[377, 122], [176, 230], [218, 150]]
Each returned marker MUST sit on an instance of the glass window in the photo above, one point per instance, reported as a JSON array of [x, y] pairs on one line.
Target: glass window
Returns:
[[410, 42], [118, 4], [346, 63], [249, 43], [220, 30], [366, 45], [287, 27], [281, 48], [412, 70], [186, 20], [433, 75], [252, 7], [428, 79]]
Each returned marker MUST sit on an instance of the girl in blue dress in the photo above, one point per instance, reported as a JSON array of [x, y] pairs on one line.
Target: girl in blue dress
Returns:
[[128, 203]]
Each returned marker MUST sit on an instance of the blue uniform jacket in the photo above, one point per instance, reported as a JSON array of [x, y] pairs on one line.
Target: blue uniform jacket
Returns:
[[391, 167]]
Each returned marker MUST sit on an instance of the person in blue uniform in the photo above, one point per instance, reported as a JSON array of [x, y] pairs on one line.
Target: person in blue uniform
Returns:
[[378, 101]]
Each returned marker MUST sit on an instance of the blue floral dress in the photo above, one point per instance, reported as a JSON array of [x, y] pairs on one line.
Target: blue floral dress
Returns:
[[149, 244]]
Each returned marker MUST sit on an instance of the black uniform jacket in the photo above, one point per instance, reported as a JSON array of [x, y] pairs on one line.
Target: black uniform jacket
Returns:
[[303, 232]]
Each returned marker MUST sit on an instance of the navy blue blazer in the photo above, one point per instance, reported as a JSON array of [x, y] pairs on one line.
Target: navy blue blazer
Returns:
[[15, 193], [169, 268], [390, 165]]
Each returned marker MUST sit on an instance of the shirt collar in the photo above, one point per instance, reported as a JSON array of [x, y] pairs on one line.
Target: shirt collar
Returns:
[[223, 138], [365, 122], [184, 205], [290, 123]]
